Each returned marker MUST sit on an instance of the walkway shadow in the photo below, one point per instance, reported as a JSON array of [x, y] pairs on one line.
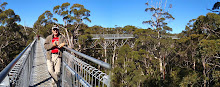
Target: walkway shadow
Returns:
[[42, 64], [41, 82]]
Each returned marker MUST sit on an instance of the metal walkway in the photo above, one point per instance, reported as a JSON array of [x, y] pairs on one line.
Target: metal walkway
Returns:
[[112, 36], [40, 76], [29, 69]]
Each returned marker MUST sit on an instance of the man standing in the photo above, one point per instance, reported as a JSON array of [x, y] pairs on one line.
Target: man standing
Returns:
[[54, 46]]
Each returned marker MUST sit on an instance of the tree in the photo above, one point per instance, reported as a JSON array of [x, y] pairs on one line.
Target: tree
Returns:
[[159, 23], [199, 44], [13, 40], [128, 71], [76, 14], [209, 49], [44, 24]]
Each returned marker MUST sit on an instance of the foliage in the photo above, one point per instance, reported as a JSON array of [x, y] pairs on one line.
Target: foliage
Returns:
[[14, 38], [215, 8], [44, 24], [193, 60], [152, 58]]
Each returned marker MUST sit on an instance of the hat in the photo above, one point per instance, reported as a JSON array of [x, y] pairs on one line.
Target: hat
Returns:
[[55, 27]]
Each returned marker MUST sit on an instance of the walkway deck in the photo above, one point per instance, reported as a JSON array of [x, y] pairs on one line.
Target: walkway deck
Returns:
[[40, 76]]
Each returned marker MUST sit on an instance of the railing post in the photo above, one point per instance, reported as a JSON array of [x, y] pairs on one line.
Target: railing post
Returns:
[[81, 74]]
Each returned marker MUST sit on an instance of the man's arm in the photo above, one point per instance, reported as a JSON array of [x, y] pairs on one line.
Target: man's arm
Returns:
[[64, 43], [48, 44]]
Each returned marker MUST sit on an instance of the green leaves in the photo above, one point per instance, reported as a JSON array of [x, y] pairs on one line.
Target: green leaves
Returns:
[[150, 9], [65, 6], [209, 47], [128, 69], [13, 37], [2, 6], [87, 19], [56, 10], [200, 45], [64, 13], [208, 25], [74, 6], [48, 14], [8, 17], [9, 12], [45, 18], [80, 13], [44, 23], [3, 16], [55, 19], [76, 13]]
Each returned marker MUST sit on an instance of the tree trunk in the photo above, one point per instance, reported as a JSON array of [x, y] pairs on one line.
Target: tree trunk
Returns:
[[76, 35], [194, 65], [161, 65], [68, 38], [113, 57], [105, 49], [204, 70], [164, 65], [160, 57], [105, 54], [69, 41]]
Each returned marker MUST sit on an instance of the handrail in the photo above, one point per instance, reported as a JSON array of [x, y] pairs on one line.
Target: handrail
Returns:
[[103, 64], [112, 36], [76, 72], [83, 74], [8, 68]]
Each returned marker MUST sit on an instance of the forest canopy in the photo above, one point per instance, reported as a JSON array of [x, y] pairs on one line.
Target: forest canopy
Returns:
[[154, 57]]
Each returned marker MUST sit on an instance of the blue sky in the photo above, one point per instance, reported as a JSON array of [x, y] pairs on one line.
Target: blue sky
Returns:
[[108, 13]]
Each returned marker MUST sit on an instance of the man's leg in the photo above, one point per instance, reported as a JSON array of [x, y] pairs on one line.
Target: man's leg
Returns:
[[57, 69], [58, 66], [51, 71], [51, 67]]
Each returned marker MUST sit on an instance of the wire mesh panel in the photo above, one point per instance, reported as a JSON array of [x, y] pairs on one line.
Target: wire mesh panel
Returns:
[[78, 73], [19, 69], [23, 77]]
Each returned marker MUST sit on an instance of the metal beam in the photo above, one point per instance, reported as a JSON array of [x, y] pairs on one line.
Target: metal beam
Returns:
[[103, 64]]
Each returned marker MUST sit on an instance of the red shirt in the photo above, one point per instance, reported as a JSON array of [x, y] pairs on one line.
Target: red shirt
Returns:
[[55, 49]]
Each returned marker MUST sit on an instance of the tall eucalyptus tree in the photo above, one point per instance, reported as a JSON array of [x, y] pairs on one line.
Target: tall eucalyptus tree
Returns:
[[158, 22], [75, 15]]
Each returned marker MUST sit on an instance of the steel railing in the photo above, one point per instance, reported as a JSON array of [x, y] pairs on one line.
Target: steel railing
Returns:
[[17, 73], [77, 73], [112, 36]]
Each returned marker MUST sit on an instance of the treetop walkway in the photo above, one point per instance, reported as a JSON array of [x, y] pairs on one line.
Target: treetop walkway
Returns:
[[29, 69], [112, 36]]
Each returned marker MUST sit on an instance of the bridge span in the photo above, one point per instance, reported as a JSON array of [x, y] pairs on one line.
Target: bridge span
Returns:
[[29, 69]]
